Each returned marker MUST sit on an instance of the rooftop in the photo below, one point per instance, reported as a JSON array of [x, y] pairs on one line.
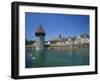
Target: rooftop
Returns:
[[40, 30]]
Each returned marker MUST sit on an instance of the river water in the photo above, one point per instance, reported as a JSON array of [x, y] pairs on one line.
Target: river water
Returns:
[[57, 57]]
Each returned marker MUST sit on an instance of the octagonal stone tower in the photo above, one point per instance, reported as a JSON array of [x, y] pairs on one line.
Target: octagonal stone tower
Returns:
[[40, 38]]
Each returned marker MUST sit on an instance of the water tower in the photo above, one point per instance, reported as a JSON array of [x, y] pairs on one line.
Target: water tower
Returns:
[[40, 38]]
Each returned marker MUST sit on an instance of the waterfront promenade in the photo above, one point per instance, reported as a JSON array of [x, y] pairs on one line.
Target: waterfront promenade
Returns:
[[58, 46]]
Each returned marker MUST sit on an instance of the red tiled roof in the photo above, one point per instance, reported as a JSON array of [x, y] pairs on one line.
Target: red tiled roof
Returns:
[[40, 30]]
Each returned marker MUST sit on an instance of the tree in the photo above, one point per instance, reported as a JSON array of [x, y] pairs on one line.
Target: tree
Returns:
[[28, 42]]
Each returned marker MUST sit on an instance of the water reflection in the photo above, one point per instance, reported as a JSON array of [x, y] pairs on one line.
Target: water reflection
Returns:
[[55, 57], [39, 58]]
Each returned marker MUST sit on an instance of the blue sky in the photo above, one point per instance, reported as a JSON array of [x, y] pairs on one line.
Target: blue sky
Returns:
[[55, 24]]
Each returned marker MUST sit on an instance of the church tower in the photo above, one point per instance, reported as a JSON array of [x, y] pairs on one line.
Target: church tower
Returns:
[[40, 38], [60, 38]]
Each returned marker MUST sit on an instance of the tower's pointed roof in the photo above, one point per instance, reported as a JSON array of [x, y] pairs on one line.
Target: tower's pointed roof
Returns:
[[40, 30]]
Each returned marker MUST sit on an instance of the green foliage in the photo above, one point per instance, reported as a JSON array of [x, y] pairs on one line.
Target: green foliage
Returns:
[[29, 42]]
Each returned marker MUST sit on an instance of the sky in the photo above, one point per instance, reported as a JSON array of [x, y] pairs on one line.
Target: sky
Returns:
[[68, 25]]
